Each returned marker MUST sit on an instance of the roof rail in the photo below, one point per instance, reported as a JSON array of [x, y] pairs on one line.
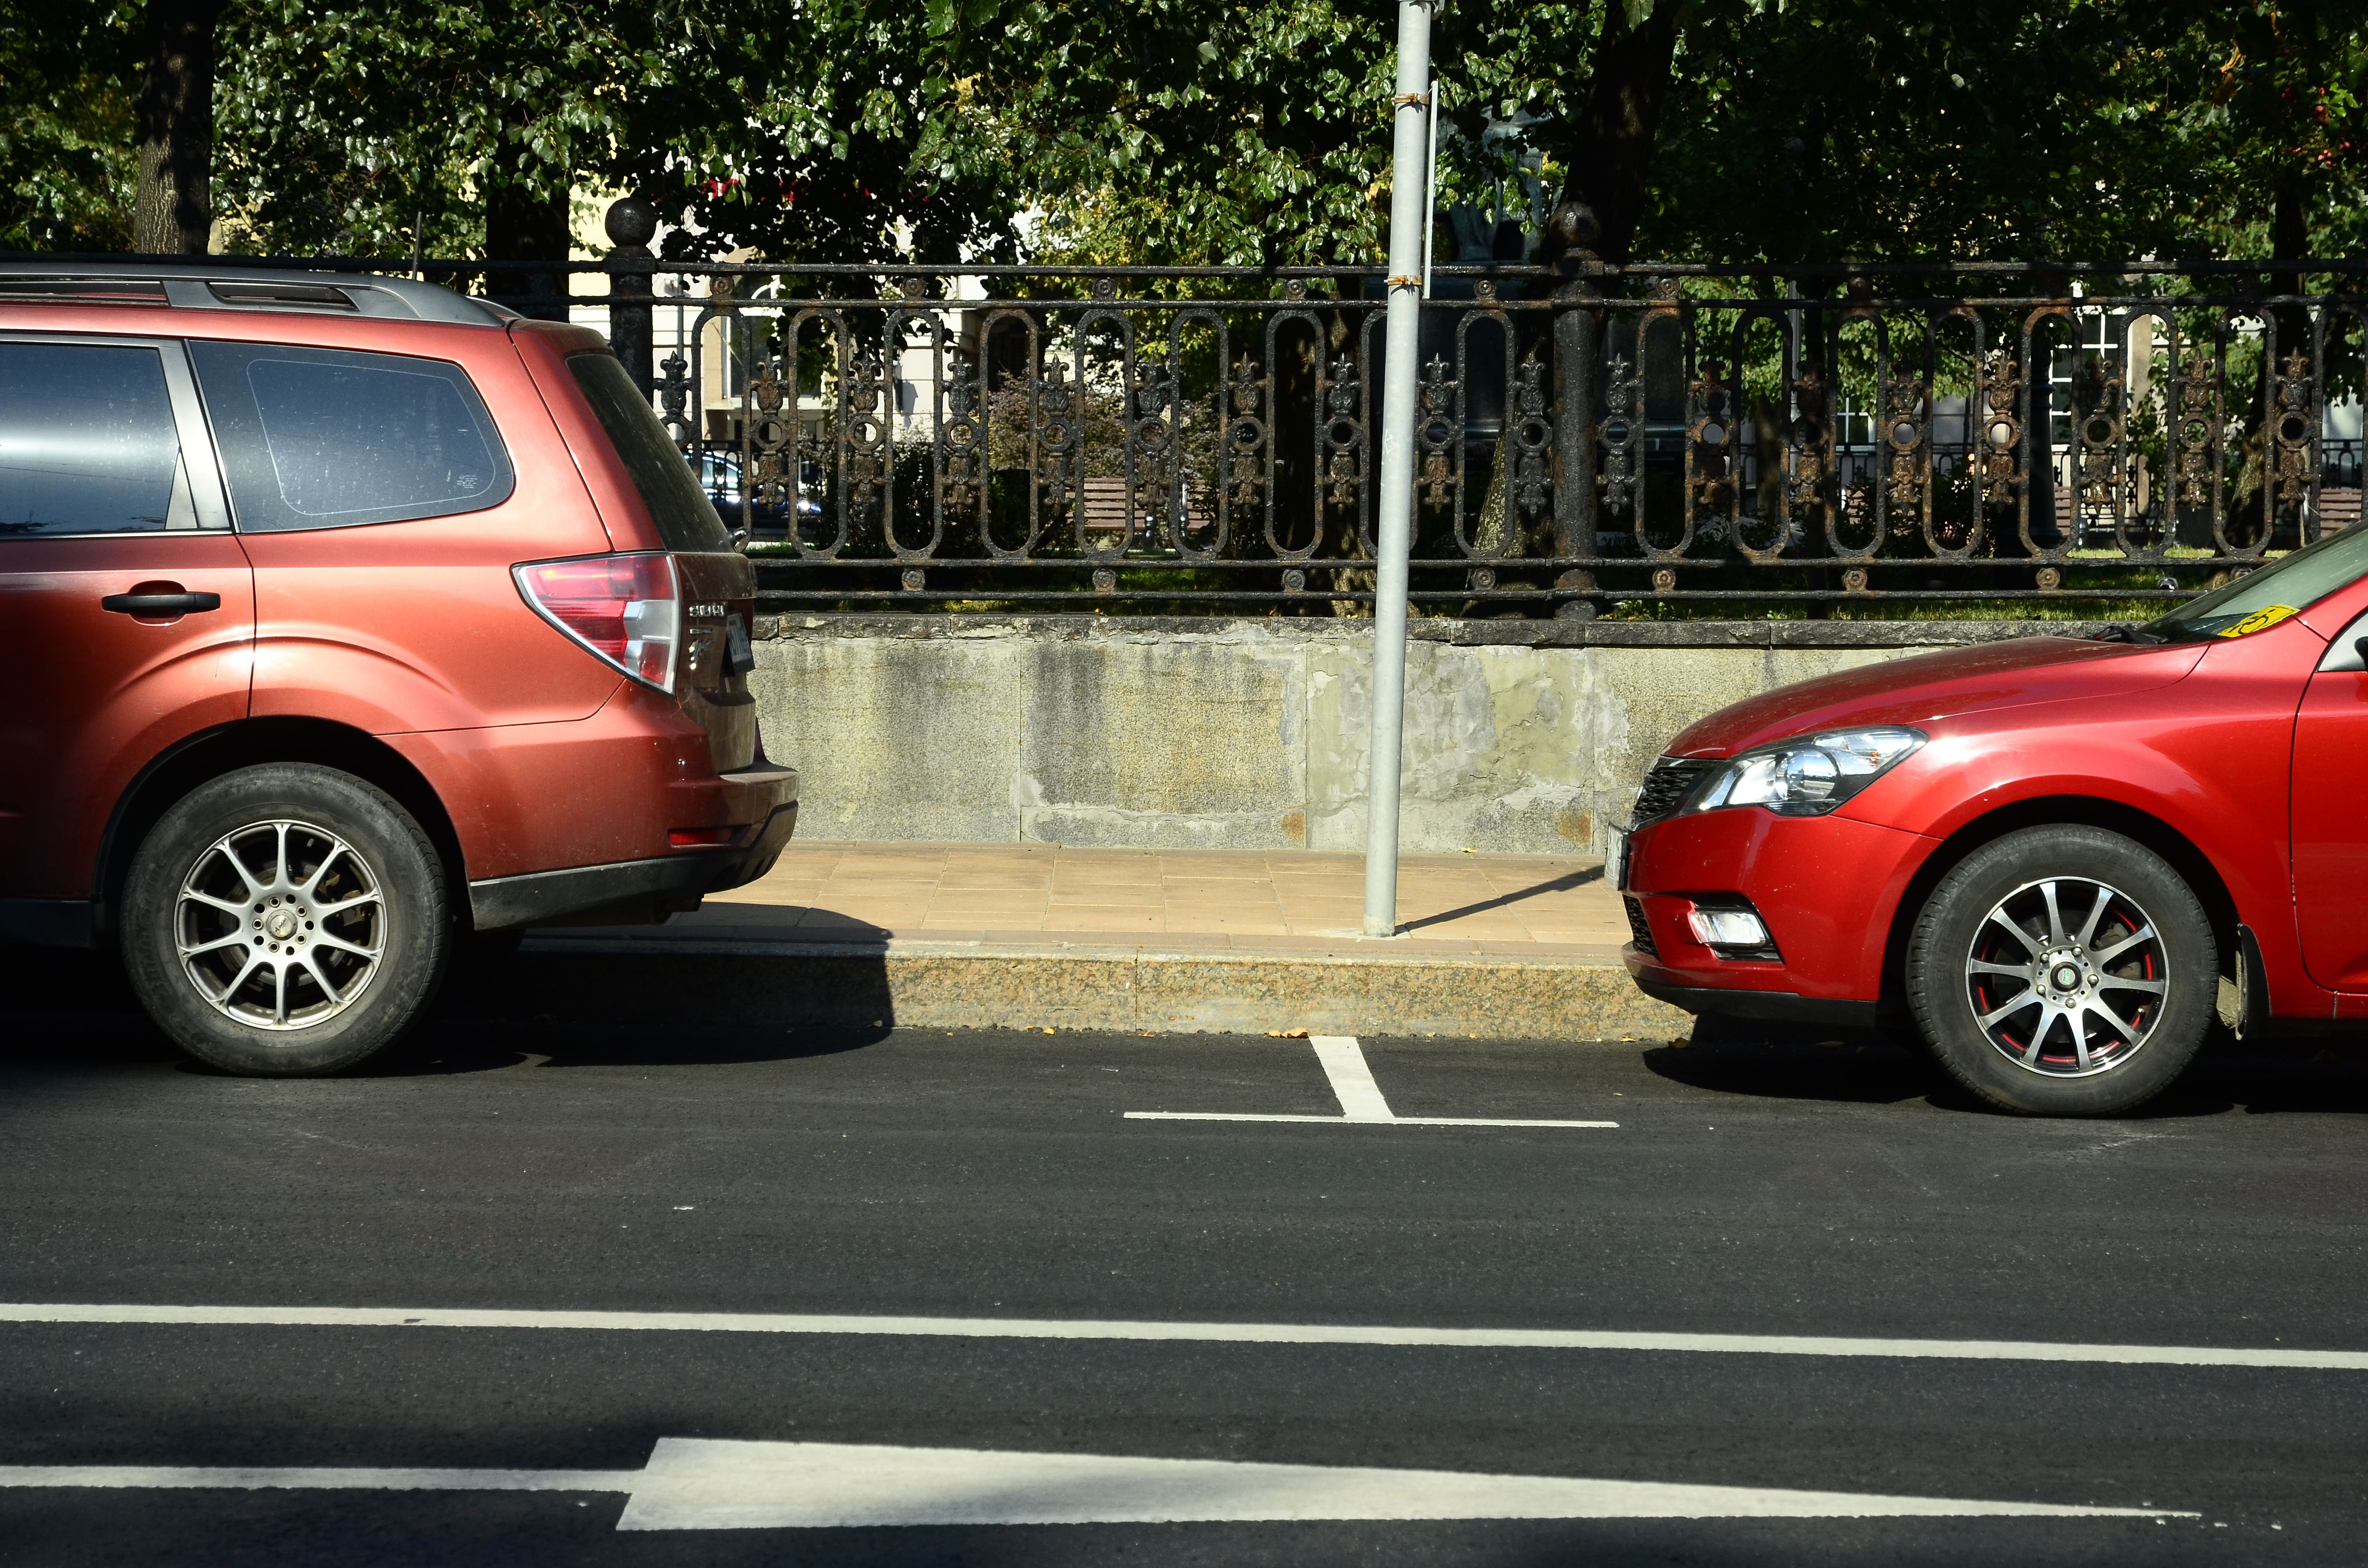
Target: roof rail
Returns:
[[203, 285]]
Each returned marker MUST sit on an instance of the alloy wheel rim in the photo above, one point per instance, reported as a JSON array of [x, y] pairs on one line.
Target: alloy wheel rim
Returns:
[[2067, 977], [281, 924]]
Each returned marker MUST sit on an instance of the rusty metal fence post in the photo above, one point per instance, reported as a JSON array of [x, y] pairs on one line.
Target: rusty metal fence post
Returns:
[[1577, 339], [631, 224]]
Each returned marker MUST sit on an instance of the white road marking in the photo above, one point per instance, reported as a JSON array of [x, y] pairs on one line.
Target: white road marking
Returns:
[[1361, 1105], [1350, 1120], [268, 1478], [1412, 1336], [1352, 1081], [705, 1484]]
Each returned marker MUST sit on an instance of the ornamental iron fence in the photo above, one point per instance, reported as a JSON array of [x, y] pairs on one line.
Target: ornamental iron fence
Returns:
[[1672, 439]]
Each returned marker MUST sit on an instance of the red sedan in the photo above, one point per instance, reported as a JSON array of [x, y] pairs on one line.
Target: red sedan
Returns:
[[2061, 855]]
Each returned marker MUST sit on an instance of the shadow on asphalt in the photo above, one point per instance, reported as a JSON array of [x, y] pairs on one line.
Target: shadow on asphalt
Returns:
[[70, 1010], [1731, 1056], [64, 1009]]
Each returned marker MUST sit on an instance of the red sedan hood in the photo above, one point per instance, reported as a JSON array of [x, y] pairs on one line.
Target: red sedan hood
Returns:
[[1932, 686]]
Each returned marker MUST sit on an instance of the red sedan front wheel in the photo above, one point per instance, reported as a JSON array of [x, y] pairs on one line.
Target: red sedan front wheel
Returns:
[[2063, 972]]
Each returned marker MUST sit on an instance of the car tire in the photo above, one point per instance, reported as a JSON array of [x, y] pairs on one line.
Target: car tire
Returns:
[[286, 920], [2063, 970]]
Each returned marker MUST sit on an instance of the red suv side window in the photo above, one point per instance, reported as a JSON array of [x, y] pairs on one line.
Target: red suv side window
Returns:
[[87, 443], [326, 439]]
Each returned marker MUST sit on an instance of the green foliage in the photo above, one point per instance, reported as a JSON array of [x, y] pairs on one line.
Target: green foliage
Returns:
[[66, 164], [1846, 129], [369, 128], [1162, 130], [1255, 133]]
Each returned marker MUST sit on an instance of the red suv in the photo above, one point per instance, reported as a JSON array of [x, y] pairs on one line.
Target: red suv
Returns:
[[354, 620], [2061, 855]]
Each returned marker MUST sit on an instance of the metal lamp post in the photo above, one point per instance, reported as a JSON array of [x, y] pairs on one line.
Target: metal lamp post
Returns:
[[1409, 227]]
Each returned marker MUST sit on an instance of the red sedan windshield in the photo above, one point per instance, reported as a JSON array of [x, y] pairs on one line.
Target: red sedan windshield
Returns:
[[2267, 597]]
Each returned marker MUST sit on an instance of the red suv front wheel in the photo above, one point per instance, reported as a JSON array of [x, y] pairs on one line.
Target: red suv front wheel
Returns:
[[285, 919]]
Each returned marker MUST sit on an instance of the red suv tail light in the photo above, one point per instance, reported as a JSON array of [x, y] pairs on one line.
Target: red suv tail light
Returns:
[[626, 609]]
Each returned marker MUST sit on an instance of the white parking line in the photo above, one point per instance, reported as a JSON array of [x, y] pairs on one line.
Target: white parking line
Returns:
[[705, 1483], [277, 1478], [1352, 1081], [1361, 1104], [1185, 1332]]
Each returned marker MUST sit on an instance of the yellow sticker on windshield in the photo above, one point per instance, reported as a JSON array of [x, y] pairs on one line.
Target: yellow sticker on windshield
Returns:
[[2261, 619]]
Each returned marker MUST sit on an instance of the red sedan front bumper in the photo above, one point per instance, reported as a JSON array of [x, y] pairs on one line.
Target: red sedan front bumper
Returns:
[[1825, 887]]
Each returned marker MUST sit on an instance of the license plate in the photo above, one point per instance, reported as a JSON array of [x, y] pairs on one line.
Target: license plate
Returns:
[[739, 655], [1616, 858]]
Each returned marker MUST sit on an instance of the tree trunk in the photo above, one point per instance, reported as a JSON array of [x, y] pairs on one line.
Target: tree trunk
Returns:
[[523, 227], [1610, 151], [2289, 241], [173, 212]]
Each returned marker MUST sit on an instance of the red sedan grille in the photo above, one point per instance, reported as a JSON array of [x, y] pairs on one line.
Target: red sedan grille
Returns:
[[1638, 932]]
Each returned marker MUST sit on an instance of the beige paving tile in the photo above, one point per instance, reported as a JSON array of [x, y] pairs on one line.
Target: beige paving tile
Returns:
[[1095, 917], [839, 920], [1463, 931], [796, 898], [1348, 911], [1194, 915]]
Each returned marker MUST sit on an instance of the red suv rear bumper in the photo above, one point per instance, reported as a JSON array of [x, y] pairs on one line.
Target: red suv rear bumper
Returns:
[[641, 890], [620, 815]]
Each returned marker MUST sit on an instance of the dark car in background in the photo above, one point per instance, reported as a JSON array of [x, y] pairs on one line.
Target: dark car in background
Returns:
[[719, 476]]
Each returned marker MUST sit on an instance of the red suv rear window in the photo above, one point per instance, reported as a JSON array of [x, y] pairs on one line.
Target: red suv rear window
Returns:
[[686, 519]]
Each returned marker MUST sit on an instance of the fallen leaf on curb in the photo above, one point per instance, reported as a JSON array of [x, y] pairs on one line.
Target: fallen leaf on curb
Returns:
[[1047, 1031], [1286, 1034]]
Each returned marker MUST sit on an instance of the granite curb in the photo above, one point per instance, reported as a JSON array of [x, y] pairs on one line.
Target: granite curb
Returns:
[[1137, 989]]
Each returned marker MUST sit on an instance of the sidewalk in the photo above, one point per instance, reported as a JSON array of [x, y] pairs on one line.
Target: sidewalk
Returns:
[[1034, 936], [1043, 894]]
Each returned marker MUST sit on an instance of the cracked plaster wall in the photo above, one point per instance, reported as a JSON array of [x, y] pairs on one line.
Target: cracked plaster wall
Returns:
[[1249, 734]]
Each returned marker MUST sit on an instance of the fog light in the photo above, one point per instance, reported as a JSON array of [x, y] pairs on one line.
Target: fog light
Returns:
[[1727, 929]]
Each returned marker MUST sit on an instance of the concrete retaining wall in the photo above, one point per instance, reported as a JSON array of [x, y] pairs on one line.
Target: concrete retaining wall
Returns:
[[1521, 737]]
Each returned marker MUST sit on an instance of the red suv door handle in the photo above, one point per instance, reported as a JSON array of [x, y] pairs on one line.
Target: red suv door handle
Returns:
[[160, 604]]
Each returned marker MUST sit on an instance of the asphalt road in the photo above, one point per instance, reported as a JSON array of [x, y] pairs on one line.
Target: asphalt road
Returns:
[[567, 1142]]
